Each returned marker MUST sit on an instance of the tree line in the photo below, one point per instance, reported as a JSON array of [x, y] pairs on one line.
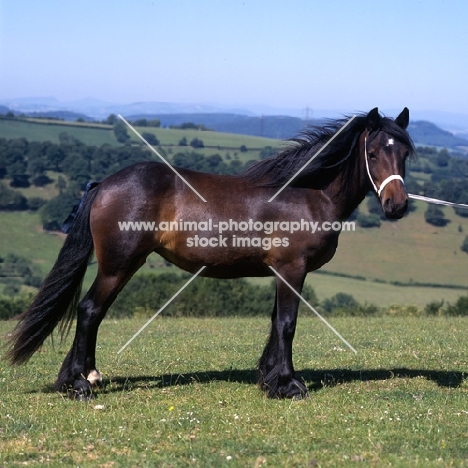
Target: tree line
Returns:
[[206, 297], [24, 163]]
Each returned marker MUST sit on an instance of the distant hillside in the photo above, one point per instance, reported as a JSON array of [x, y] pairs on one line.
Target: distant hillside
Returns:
[[100, 110], [279, 127], [424, 133], [234, 119], [428, 134], [62, 115]]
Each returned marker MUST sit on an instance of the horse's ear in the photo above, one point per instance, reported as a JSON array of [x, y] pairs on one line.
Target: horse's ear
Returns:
[[373, 120], [403, 119]]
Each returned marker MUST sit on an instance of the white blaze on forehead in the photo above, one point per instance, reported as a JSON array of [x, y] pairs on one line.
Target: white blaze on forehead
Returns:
[[390, 142]]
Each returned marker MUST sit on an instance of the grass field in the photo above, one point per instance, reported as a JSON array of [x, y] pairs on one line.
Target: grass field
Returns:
[[22, 234], [47, 191], [34, 131], [184, 394], [409, 250], [223, 144]]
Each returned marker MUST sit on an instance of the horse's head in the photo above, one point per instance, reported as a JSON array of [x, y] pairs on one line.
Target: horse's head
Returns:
[[385, 145]]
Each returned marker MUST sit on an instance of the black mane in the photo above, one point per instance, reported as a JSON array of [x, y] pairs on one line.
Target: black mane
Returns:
[[338, 155]]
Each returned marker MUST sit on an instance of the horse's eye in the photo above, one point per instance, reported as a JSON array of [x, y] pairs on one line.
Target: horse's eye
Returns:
[[372, 156]]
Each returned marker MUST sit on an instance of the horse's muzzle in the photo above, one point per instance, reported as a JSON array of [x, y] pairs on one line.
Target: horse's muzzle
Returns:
[[394, 209]]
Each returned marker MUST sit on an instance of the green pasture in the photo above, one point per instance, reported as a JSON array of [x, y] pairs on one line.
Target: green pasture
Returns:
[[44, 131], [184, 394], [47, 191], [22, 234], [380, 293], [224, 144], [172, 137], [408, 250]]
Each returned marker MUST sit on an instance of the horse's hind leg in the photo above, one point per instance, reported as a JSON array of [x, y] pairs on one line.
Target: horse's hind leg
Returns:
[[78, 373]]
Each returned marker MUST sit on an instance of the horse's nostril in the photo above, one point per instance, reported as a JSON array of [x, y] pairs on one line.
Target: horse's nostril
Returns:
[[394, 210]]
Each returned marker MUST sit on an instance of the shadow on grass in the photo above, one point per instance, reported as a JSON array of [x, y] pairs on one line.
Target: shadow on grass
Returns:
[[315, 379]]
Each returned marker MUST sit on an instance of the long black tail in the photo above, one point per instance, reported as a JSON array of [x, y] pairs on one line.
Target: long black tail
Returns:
[[59, 295]]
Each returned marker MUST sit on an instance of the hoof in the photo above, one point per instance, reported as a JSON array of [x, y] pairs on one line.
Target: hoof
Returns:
[[81, 391], [301, 396], [282, 387], [293, 389]]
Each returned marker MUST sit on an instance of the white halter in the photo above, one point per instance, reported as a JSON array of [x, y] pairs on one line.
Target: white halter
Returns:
[[386, 181]]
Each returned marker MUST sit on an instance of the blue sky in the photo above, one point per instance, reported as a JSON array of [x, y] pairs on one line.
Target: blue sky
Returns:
[[348, 55]]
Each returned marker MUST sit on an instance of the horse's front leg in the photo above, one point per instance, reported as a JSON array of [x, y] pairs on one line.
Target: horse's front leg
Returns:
[[276, 370]]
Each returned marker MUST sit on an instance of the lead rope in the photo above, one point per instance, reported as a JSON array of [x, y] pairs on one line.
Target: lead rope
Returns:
[[436, 201]]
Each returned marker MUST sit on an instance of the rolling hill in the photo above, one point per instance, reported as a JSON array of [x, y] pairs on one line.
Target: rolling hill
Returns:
[[281, 127], [234, 121]]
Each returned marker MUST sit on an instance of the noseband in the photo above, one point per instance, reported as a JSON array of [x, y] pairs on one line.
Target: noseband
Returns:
[[386, 181]]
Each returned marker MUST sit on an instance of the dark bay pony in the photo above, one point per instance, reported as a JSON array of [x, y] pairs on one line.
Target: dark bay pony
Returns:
[[369, 154]]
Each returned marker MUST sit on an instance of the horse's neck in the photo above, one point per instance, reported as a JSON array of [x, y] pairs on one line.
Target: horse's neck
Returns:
[[348, 190]]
